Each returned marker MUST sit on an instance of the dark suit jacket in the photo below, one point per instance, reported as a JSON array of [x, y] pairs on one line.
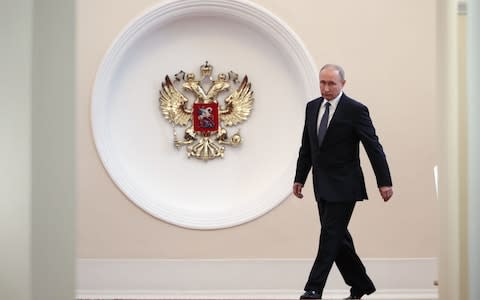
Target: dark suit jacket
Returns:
[[337, 175]]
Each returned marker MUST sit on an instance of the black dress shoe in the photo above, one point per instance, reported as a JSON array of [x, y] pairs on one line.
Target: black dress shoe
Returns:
[[353, 297], [311, 295], [359, 295]]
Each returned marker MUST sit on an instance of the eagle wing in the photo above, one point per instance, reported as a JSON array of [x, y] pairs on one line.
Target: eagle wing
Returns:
[[172, 104], [238, 105]]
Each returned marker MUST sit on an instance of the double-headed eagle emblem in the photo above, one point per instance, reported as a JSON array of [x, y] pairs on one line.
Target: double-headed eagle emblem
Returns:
[[206, 120]]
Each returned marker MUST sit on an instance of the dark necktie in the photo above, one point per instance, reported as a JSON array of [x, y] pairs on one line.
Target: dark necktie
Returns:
[[322, 129]]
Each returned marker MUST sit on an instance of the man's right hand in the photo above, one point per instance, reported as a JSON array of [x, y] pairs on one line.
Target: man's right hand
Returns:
[[297, 190]]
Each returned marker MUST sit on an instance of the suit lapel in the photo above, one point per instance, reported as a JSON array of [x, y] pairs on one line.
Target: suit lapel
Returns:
[[338, 112], [314, 116], [338, 115]]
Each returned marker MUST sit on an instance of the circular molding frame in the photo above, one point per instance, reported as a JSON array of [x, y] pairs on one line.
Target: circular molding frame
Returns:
[[242, 11]]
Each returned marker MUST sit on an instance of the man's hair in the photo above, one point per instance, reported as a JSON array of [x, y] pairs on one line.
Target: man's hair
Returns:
[[340, 70]]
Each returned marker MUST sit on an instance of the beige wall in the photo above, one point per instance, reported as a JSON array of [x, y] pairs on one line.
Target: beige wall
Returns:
[[388, 51]]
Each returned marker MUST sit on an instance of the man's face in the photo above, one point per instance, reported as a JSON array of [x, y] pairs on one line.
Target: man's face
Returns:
[[330, 83]]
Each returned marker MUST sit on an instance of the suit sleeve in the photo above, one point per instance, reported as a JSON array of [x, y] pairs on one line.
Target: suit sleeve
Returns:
[[369, 139], [304, 161]]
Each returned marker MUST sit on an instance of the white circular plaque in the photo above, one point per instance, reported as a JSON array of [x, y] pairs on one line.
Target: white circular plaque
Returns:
[[135, 142]]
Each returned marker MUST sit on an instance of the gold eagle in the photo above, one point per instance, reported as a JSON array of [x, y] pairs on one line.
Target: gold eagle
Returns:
[[237, 108]]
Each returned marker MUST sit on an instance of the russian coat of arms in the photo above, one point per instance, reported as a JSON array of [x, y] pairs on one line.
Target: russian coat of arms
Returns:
[[206, 120]]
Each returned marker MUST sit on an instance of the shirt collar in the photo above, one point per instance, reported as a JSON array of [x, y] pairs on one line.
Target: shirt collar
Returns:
[[333, 102]]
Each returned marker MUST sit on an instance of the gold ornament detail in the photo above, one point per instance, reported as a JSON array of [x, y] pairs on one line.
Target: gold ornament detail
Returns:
[[206, 120]]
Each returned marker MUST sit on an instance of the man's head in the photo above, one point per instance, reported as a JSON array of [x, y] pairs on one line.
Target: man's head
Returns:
[[332, 80]]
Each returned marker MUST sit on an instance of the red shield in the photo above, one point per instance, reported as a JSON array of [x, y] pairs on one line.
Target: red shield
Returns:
[[205, 117]]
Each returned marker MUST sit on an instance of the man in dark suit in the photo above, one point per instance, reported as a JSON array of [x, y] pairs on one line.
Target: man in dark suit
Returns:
[[334, 127]]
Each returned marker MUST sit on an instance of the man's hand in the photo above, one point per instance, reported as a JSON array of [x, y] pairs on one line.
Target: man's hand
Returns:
[[386, 192], [297, 190]]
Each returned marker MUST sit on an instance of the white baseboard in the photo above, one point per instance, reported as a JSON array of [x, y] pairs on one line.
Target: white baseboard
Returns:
[[243, 279]]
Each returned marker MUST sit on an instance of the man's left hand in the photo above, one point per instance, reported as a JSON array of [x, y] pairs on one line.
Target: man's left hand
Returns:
[[386, 192]]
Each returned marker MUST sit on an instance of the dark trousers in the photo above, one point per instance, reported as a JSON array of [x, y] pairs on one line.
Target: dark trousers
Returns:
[[336, 245]]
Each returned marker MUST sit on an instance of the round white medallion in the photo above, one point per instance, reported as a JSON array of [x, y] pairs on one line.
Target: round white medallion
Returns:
[[135, 142]]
